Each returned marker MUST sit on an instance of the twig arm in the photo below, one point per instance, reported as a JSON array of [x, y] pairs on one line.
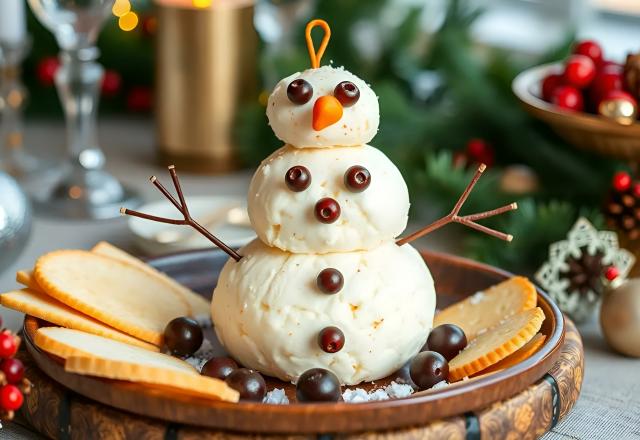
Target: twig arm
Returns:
[[184, 210], [467, 220]]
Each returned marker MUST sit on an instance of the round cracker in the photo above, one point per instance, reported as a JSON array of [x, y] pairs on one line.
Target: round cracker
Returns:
[[522, 354], [111, 291], [496, 344], [478, 313]]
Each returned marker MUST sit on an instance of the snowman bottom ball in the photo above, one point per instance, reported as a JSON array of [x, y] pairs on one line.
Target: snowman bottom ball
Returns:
[[268, 310]]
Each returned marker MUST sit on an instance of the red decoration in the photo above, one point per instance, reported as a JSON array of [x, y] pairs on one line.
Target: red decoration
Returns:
[[621, 181], [607, 79], [479, 151], [579, 71], [568, 98], [139, 99], [46, 70], [111, 83], [13, 370], [549, 84], [591, 49], [8, 344], [611, 273], [149, 25], [11, 398]]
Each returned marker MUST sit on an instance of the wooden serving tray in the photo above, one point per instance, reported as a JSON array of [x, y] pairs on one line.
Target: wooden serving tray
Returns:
[[455, 278]]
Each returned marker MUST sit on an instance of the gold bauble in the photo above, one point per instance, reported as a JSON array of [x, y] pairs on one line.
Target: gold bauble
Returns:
[[519, 179], [622, 111], [620, 317]]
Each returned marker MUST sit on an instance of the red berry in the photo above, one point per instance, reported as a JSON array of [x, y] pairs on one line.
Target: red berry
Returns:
[[579, 71], [139, 99], [111, 83], [327, 210], [568, 98], [621, 181], [608, 63], [10, 398], [13, 370], [331, 339], [611, 273], [636, 189], [608, 78], [549, 84], [480, 151], [8, 345], [46, 70], [591, 49]]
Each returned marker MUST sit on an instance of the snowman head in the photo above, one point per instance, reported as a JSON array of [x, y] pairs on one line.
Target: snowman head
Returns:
[[323, 106]]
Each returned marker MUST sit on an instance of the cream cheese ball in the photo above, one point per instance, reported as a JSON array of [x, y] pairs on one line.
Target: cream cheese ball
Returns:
[[370, 213], [292, 121], [268, 311]]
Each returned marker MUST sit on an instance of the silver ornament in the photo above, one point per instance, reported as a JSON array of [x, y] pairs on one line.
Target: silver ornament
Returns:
[[15, 220], [620, 317]]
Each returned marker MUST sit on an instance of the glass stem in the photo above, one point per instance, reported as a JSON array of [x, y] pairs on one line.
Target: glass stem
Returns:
[[78, 81]]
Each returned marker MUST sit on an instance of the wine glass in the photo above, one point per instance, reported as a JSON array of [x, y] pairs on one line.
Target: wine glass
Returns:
[[85, 189]]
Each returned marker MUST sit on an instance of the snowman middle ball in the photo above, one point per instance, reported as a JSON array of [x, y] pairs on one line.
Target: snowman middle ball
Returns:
[[268, 310], [286, 218]]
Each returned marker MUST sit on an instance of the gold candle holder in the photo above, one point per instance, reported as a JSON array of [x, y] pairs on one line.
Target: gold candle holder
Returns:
[[206, 62]]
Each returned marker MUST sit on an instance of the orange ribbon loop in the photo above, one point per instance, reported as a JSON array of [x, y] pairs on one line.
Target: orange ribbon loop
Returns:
[[314, 56]]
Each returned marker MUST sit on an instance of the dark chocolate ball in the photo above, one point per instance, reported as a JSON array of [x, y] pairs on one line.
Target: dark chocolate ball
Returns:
[[330, 281], [250, 384], [299, 91], [219, 367], [428, 368], [357, 178], [448, 340], [298, 178], [331, 339], [347, 93], [318, 385], [183, 336], [327, 210]]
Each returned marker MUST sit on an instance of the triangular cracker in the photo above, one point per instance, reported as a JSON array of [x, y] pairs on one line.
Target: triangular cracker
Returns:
[[199, 305], [88, 354], [478, 313], [44, 307], [496, 344], [111, 291]]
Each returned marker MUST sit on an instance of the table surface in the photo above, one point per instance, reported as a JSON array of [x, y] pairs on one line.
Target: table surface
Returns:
[[609, 405]]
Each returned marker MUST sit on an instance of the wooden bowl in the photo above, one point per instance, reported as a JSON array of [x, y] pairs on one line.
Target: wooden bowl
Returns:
[[455, 278], [582, 130]]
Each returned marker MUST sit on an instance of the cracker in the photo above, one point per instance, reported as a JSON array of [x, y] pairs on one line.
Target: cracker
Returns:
[[44, 307], [189, 383], [496, 344], [522, 354], [93, 355], [478, 313], [25, 277], [111, 291], [199, 305]]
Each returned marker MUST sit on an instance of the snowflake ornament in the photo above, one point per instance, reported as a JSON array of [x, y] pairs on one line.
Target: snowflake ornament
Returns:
[[574, 273]]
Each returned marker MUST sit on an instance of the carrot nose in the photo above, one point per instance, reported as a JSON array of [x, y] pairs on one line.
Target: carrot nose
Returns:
[[327, 110]]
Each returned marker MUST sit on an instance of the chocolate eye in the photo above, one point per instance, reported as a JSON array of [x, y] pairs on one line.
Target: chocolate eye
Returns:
[[298, 178], [357, 178], [347, 93], [299, 91]]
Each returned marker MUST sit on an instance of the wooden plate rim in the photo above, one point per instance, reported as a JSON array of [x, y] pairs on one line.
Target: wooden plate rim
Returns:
[[381, 414]]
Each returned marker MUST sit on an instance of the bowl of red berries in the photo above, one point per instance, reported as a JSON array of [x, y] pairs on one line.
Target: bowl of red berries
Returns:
[[588, 100]]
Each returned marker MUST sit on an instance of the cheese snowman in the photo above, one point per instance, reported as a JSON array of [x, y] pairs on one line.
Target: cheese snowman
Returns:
[[326, 284], [327, 208]]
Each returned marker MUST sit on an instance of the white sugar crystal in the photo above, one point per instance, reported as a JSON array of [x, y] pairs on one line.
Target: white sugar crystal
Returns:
[[379, 394], [476, 298], [204, 320], [355, 396], [276, 396], [441, 384], [201, 356], [397, 390]]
